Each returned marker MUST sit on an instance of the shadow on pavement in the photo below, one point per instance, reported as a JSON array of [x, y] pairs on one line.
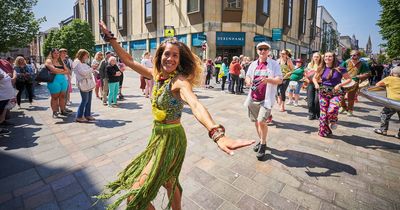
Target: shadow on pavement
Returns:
[[353, 125], [38, 186], [293, 126], [368, 143], [111, 123], [292, 158], [21, 136], [299, 114], [130, 105]]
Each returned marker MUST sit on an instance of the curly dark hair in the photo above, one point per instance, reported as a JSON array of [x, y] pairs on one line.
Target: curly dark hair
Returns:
[[189, 64]]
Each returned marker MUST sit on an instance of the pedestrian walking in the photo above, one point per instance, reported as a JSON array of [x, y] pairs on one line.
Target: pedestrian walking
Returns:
[[225, 72], [392, 84], [287, 67], [262, 77], [25, 76], [146, 61], [176, 70], [234, 71], [98, 57], [358, 71], [312, 92], [330, 92]]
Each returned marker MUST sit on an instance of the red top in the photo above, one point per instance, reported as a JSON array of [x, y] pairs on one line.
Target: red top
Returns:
[[6, 66], [258, 88], [234, 68]]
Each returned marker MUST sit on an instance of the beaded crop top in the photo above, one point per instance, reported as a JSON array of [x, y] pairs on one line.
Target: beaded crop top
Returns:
[[166, 101]]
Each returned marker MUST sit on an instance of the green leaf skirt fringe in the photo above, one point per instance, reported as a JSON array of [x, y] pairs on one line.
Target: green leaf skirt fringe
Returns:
[[165, 153]]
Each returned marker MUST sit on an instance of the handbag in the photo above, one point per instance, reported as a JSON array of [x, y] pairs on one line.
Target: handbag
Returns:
[[44, 75], [86, 84]]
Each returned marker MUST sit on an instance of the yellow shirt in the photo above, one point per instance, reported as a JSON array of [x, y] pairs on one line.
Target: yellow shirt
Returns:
[[392, 87]]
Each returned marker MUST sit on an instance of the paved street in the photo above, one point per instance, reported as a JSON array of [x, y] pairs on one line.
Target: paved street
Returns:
[[51, 163]]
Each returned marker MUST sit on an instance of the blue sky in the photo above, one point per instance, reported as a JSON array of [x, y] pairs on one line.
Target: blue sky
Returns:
[[357, 17]]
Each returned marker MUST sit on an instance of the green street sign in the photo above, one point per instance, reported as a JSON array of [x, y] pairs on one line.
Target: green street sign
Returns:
[[276, 34]]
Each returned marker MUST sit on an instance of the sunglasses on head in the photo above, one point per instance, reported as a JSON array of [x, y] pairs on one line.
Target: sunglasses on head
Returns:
[[263, 48]]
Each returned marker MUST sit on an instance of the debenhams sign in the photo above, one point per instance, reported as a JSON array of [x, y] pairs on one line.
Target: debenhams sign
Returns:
[[231, 38]]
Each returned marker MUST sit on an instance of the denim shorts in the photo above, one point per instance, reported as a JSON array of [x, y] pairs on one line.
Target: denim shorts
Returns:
[[297, 89]]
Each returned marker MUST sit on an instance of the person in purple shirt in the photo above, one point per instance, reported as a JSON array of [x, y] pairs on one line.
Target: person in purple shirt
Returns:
[[331, 74]]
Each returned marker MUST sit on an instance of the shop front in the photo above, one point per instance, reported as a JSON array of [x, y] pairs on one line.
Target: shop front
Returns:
[[197, 42], [153, 46], [137, 49], [230, 44]]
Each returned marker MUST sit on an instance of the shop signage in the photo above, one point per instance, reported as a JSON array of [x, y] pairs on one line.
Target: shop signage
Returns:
[[153, 43], [169, 31], [231, 38], [261, 38], [98, 48], [125, 45], [198, 39], [138, 45], [276, 34]]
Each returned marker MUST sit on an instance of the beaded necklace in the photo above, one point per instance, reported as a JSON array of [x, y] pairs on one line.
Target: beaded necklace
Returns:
[[158, 114]]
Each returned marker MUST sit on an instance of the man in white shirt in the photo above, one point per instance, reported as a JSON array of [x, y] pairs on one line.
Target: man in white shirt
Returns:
[[262, 77]]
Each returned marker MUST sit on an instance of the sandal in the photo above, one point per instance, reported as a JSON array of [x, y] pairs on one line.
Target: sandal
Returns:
[[90, 118], [380, 131], [81, 120]]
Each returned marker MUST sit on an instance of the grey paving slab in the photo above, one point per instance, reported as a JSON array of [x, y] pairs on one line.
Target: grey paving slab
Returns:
[[51, 163]]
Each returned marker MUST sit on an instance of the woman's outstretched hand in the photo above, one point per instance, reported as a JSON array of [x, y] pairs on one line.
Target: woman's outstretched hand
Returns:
[[106, 34], [227, 144]]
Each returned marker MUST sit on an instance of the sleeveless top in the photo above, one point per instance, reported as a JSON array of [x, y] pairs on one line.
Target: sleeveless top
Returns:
[[285, 70], [166, 101]]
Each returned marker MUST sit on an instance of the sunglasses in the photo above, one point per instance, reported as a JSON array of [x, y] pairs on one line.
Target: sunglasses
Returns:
[[263, 48]]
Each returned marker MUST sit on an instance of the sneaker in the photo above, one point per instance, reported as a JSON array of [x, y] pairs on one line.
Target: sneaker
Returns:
[[4, 131], [256, 147], [261, 151], [380, 131], [397, 135], [289, 102], [342, 110], [350, 113], [55, 115], [311, 117], [114, 105], [105, 103], [64, 113], [67, 110]]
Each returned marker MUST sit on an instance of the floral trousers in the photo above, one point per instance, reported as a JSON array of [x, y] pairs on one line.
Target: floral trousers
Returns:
[[329, 103]]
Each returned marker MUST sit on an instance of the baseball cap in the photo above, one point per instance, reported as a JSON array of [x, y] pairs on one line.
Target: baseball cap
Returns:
[[298, 60], [263, 44]]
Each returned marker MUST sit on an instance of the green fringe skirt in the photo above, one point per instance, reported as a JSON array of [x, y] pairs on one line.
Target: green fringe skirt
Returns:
[[165, 153]]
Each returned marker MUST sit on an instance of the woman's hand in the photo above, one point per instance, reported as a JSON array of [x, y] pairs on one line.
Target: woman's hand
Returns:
[[106, 35], [227, 144], [337, 87], [316, 86]]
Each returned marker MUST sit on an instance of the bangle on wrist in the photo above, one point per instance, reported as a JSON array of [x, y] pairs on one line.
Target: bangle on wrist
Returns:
[[216, 132]]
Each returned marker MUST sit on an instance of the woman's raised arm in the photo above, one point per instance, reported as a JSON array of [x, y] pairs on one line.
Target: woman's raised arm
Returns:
[[125, 57]]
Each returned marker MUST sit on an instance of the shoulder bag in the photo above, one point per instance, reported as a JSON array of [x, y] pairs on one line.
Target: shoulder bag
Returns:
[[44, 75]]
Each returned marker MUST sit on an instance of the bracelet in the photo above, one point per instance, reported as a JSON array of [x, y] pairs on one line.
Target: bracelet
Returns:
[[218, 136], [214, 129], [108, 37]]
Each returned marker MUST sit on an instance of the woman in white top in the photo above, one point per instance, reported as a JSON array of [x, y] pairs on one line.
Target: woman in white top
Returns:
[[146, 61], [83, 71], [7, 92]]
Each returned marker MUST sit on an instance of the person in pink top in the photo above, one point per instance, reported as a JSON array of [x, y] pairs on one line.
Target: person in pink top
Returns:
[[263, 77]]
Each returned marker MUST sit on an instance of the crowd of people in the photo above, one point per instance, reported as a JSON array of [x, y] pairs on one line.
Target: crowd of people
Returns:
[[168, 79]]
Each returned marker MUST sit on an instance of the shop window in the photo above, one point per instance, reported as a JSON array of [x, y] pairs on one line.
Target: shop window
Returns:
[[266, 5], [290, 13], [148, 11], [193, 6], [120, 12], [233, 4]]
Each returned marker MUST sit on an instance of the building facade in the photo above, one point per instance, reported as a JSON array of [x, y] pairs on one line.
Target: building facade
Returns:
[[209, 27], [329, 35]]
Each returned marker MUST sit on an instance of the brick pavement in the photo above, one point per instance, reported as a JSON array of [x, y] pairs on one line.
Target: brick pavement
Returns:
[[51, 163]]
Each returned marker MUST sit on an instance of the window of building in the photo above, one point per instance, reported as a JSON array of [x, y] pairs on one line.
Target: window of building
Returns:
[[100, 10], [193, 6], [148, 11], [120, 14], [233, 4], [87, 10], [266, 5], [290, 13], [304, 18]]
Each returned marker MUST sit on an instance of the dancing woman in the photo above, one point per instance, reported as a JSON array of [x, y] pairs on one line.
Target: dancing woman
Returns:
[[286, 67], [312, 93], [330, 92], [176, 70]]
